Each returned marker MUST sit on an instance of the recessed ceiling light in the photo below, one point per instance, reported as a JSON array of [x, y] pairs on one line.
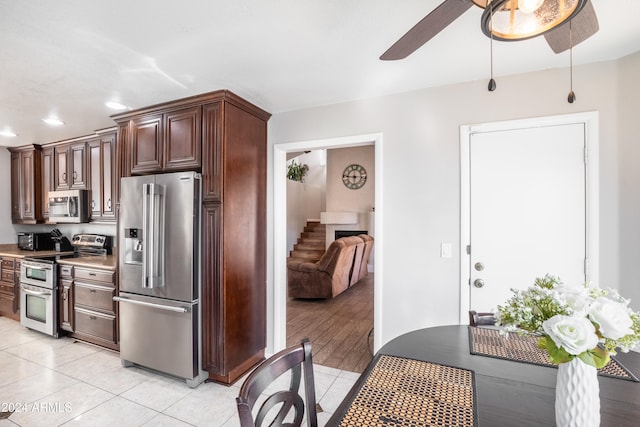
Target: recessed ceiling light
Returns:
[[7, 133], [53, 122], [115, 105]]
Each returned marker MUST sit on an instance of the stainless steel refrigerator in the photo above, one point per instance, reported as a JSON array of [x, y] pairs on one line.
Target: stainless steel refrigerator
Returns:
[[159, 265]]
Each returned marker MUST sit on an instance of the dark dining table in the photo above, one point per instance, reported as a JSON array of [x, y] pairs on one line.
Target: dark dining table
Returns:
[[508, 393]]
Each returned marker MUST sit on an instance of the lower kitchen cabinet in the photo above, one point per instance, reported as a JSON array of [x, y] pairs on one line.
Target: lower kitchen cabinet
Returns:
[[10, 287], [87, 309], [65, 298], [97, 325]]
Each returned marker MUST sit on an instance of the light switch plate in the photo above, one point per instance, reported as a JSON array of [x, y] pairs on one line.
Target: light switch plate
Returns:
[[445, 250]]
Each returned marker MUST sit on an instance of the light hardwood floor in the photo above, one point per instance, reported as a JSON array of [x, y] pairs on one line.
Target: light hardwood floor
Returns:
[[339, 328]]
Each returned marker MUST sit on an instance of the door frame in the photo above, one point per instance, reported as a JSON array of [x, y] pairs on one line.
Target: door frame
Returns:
[[279, 299], [590, 120]]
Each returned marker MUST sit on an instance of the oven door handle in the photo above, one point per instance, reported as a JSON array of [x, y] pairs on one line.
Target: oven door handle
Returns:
[[36, 293]]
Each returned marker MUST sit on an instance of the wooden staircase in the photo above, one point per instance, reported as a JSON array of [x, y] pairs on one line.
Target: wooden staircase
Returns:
[[311, 243]]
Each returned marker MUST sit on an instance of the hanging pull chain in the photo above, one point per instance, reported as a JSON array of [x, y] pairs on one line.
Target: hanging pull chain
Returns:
[[572, 96], [492, 83]]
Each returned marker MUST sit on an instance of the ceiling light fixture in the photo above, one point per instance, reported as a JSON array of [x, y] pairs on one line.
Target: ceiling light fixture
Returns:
[[7, 133], [53, 121], [115, 105], [510, 20]]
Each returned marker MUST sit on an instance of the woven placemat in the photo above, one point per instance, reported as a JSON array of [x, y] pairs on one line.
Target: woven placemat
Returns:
[[524, 348], [407, 392]]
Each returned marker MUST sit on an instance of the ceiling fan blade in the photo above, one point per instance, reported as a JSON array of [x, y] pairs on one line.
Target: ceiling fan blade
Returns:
[[584, 25], [426, 29]]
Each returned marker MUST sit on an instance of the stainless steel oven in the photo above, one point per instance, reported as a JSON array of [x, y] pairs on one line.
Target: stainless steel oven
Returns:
[[38, 295]]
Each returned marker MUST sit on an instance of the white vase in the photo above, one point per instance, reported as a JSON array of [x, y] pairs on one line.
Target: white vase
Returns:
[[577, 395]]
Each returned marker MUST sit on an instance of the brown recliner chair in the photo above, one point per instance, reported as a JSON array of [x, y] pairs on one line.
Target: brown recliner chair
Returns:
[[368, 246], [354, 275], [328, 277]]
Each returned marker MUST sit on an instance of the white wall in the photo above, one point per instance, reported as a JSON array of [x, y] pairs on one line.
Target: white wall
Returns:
[[343, 199], [420, 165], [629, 166]]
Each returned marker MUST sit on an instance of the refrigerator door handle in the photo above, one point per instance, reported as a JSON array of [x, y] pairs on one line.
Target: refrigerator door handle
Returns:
[[151, 305], [153, 209]]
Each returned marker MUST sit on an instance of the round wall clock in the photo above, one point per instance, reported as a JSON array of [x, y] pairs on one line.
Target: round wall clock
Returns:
[[354, 176]]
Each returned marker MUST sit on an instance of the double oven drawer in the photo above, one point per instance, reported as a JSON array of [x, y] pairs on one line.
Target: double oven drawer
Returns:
[[95, 275], [95, 317], [95, 296], [96, 324]]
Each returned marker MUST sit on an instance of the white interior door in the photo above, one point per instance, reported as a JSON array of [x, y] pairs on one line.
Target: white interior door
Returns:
[[527, 201]]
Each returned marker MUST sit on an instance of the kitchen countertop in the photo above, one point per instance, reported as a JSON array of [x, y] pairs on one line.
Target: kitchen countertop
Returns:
[[107, 262], [12, 250]]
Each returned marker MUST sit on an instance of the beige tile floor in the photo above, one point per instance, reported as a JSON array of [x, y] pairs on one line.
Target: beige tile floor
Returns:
[[49, 382]]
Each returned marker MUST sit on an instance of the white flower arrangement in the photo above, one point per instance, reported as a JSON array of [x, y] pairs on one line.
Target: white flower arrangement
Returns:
[[572, 321]]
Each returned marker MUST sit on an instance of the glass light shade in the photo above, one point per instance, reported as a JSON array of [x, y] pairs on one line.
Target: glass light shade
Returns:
[[508, 20]]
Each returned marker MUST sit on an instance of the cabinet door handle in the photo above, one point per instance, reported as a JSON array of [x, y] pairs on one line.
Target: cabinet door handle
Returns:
[[93, 205], [92, 317], [109, 203], [64, 176], [75, 175]]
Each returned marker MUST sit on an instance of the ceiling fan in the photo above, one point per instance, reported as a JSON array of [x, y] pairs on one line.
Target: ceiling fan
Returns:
[[507, 20]]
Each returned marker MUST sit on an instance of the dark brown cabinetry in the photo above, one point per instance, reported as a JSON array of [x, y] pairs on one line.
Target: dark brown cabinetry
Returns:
[[102, 160], [10, 287], [88, 162], [225, 138], [26, 185], [169, 141], [71, 166], [48, 169]]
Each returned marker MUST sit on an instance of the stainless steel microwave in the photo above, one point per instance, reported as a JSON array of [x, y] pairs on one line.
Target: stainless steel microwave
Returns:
[[71, 206]]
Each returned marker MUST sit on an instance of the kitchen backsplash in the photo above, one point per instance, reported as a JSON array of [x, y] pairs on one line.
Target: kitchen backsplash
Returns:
[[67, 229]]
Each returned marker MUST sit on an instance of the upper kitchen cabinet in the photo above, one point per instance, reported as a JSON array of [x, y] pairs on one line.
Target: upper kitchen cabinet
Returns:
[[48, 172], [166, 141], [102, 170], [71, 166], [224, 137], [26, 185]]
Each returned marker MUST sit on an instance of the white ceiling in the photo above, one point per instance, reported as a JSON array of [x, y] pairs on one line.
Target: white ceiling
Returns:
[[68, 57]]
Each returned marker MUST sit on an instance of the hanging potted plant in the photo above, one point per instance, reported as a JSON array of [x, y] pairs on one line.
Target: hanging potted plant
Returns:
[[297, 171]]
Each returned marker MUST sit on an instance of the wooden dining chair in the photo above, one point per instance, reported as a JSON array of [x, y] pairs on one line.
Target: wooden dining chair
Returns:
[[481, 319], [294, 360]]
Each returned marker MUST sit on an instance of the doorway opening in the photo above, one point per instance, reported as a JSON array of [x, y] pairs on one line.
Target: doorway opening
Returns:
[[280, 228]]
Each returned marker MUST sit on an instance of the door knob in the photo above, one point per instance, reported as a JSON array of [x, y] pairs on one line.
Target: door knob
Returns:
[[478, 283], [479, 266]]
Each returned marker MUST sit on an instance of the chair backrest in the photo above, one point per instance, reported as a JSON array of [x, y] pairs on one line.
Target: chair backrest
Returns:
[[480, 319], [293, 360]]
